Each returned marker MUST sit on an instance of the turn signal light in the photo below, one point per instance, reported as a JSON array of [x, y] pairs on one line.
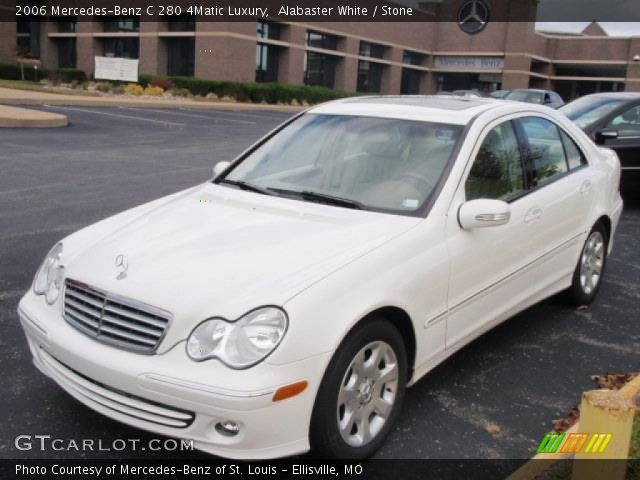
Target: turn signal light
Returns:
[[289, 391]]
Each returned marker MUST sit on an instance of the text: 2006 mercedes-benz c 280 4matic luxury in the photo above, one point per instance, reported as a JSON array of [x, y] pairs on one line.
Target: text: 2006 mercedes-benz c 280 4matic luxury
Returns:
[[287, 303]]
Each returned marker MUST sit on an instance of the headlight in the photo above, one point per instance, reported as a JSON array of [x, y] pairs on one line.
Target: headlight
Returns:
[[50, 275], [241, 343]]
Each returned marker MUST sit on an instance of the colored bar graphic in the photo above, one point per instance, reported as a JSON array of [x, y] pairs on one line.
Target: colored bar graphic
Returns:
[[574, 442], [550, 443]]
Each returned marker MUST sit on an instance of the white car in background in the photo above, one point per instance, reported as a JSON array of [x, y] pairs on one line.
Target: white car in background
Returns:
[[287, 303]]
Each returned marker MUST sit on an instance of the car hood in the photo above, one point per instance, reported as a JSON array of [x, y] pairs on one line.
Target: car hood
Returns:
[[218, 251]]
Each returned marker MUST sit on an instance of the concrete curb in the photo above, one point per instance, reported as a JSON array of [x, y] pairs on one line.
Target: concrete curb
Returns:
[[12, 117], [29, 97], [534, 469]]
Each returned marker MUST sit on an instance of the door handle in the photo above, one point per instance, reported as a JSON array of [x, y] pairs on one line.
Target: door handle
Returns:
[[586, 187], [532, 215]]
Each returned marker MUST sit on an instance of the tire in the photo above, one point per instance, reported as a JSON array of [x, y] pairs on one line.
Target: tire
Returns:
[[349, 389], [589, 271]]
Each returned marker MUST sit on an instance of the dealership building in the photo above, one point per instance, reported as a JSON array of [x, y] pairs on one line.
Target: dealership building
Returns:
[[388, 58]]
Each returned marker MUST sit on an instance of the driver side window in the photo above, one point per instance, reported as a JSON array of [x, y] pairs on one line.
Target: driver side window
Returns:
[[497, 172], [628, 123]]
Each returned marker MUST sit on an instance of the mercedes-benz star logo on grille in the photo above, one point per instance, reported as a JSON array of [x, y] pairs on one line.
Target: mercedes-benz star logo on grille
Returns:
[[473, 16], [122, 265]]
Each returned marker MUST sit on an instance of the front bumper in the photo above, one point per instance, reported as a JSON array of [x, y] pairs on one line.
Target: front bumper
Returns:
[[173, 396]]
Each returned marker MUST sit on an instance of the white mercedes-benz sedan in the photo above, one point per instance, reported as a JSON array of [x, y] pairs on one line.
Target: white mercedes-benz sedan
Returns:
[[287, 303]]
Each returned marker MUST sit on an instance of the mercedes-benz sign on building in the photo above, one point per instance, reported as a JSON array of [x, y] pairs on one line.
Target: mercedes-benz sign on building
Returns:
[[475, 52]]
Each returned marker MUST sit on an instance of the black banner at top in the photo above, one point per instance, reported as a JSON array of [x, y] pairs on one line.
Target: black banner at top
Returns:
[[330, 10]]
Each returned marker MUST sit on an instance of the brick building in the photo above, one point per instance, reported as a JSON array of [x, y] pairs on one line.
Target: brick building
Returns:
[[388, 58]]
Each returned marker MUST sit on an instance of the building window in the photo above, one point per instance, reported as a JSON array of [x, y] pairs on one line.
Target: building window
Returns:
[[66, 24], [267, 57], [66, 52], [28, 38], [374, 50], [182, 23], [181, 54], [320, 69], [413, 58], [370, 76], [122, 24], [268, 30], [322, 40], [121, 47], [410, 84]]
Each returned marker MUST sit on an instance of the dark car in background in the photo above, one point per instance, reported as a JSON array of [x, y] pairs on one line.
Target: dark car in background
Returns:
[[540, 97], [613, 120], [500, 93]]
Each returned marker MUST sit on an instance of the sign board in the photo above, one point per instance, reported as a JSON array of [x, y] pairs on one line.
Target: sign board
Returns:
[[470, 63], [113, 68]]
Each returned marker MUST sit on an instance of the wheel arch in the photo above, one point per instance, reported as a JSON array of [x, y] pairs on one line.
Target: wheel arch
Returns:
[[606, 223], [402, 321]]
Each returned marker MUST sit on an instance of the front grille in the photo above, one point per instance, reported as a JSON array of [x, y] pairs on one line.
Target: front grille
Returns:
[[95, 394], [114, 320]]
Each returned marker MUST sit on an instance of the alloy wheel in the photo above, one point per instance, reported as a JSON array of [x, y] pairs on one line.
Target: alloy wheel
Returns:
[[592, 262], [367, 393]]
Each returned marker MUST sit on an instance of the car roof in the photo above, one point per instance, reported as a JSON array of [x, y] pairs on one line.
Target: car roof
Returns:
[[531, 90], [452, 109], [617, 95]]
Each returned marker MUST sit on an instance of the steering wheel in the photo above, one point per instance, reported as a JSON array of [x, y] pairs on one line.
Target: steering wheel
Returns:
[[416, 178]]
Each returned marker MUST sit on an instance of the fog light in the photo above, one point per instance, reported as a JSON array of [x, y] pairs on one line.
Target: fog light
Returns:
[[227, 428]]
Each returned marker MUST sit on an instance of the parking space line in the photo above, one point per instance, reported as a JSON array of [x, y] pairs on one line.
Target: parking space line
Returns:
[[191, 115], [266, 115], [118, 115]]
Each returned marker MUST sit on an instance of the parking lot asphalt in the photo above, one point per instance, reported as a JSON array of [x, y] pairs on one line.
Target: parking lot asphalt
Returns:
[[520, 376]]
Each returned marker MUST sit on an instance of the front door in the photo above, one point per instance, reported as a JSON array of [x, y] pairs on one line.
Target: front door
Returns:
[[627, 146], [485, 261]]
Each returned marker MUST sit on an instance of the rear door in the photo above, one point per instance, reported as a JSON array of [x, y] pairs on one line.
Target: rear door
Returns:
[[562, 191]]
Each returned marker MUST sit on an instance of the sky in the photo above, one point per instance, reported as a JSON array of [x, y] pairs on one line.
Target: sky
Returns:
[[612, 28]]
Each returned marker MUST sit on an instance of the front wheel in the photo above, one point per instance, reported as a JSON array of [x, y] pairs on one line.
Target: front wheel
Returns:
[[587, 276], [361, 393]]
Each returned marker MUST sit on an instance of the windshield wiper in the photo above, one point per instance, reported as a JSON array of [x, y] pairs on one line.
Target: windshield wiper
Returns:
[[242, 185], [322, 198]]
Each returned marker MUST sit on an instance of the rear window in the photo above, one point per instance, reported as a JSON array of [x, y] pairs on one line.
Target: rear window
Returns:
[[546, 149]]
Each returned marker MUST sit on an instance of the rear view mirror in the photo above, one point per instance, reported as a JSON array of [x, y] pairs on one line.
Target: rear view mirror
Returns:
[[604, 135], [220, 167], [484, 213]]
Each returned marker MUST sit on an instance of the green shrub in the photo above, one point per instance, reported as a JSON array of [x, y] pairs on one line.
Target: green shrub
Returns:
[[57, 75], [10, 72], [144, 79], [258, 92], [66, 75], [180, 92], [273, 93], [104, 87]]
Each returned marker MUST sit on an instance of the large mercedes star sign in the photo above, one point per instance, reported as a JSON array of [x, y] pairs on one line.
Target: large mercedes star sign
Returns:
[[473, 16]]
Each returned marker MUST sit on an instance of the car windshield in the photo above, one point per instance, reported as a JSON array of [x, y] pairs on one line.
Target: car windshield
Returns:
[[525, 96], [587, 110], [368, 163]]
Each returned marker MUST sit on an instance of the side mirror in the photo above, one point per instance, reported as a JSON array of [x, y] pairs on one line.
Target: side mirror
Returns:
[[220, 167], [604, 135], [484, 213]]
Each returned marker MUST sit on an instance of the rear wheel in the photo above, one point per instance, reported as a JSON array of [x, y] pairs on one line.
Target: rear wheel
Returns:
[[361, 393], [587, 276]]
